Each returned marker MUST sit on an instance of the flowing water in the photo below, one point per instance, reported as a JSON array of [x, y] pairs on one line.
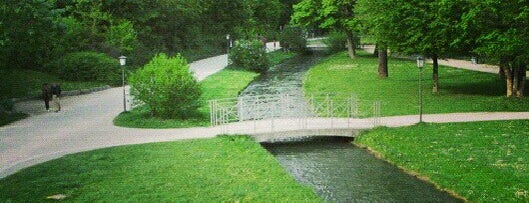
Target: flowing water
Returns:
[[340, 172], [336, 169]]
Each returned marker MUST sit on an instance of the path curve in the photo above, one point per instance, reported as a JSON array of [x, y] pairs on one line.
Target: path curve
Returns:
[[85, 123]]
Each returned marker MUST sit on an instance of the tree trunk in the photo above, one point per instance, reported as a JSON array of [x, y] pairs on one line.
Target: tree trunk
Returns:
[[383, 62], [504, 65], [435, 75], [521, 80], [350, 44], [501, 73]]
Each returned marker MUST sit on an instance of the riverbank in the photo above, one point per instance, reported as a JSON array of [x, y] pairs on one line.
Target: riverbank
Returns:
[[225, 169], [480, 161]]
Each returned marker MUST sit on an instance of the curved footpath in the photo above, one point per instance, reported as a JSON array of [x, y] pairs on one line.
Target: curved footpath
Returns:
[[85, 123]]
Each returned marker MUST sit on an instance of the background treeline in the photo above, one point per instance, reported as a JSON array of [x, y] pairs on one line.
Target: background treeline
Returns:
[[35, 33]]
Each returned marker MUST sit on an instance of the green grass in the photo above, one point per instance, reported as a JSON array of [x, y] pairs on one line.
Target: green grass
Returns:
[[223, 169], [460, 90], [227, 83], [24, 83], [481, 161]]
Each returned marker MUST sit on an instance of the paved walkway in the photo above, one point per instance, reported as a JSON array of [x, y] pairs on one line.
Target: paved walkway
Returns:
[[85, 123]]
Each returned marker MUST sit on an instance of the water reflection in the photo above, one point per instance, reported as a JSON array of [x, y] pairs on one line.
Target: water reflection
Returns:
[[341, 172]]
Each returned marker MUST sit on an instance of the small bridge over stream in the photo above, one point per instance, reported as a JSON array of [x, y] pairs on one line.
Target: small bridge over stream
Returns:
[[281, 116]]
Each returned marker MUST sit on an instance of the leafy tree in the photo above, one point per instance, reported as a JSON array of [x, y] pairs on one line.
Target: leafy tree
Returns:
[[249, 55], [167, 86], [424, 27], [292, 39], [27, 33], [332, 14], [376, 18], [501, 33]]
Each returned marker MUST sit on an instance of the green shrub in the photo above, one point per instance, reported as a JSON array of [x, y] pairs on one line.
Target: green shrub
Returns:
[[249, 55], [292, 39], [167, 87], [88, 66], [6, 105], [336, 42]]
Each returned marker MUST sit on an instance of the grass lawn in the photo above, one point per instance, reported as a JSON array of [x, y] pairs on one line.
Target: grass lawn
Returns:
[[481, 161], [227, 83], [460, 90], [6, 118], [222, 169]]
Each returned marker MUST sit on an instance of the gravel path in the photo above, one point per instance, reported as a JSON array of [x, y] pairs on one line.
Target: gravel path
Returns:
[[85, 123]]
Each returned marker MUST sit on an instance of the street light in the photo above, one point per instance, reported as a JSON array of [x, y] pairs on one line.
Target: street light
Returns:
[[228, 48], [122, 62], [420, 65]]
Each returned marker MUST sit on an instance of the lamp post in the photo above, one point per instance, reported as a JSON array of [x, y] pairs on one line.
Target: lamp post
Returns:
[[228, 48], [122, 62], [420, 65]]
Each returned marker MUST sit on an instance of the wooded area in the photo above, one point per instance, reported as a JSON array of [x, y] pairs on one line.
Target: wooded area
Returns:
[[34, 33]]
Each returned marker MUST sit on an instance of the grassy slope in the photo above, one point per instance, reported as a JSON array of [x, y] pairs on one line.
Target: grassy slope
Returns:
[[482, 161], [460, 90], [220, 169]]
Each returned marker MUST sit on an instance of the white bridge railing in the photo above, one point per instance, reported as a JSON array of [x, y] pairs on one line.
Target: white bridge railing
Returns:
[[287, 106]]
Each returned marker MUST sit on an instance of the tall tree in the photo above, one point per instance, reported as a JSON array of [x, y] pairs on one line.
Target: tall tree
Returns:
[[501, 30], [424, 27], [332, 14], [376, 19]]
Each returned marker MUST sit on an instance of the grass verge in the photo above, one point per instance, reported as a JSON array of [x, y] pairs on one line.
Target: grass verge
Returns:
[[460, 90], [481, 161], [222, 169]]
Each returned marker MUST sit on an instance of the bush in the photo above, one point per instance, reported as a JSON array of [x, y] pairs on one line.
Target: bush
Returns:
[[292, 39], [336, 42], [6, 105], [249, 55], [167, 87], [88, 66]]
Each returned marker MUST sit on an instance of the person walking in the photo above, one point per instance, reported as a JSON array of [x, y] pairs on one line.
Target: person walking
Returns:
[[46, 95], [56, 93]]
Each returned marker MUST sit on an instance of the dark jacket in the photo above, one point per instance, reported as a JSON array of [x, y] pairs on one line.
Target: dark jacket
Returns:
[[56, 90], [46, 93]]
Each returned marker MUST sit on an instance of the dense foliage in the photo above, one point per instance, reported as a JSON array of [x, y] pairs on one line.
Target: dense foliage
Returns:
[[292, 39], [167, 87], [335, 42], [88, 66], [495, 30], [249, 55], [35, 32]]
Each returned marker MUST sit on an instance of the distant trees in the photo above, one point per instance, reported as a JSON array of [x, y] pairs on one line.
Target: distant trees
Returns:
[[35, 32], [332, 14]]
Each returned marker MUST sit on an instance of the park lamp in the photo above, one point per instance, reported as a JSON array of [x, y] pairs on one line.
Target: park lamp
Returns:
[[122, 60], [420, 62]]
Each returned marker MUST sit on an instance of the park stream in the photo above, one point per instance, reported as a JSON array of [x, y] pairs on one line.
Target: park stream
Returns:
[[337, 170]]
